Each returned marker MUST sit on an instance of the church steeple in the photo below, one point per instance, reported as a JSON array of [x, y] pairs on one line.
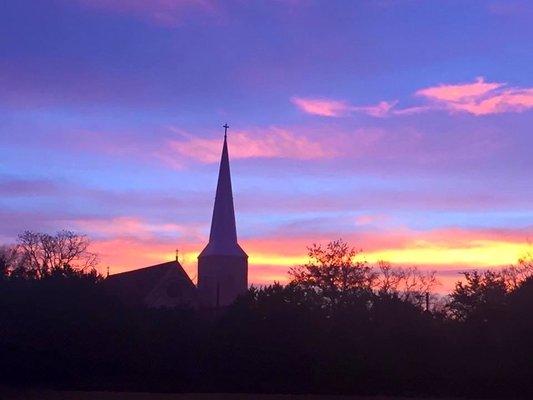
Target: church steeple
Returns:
[[223, 235], [223, 264]]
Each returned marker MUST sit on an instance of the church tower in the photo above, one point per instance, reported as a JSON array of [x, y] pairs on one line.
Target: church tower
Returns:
[[223, 264]]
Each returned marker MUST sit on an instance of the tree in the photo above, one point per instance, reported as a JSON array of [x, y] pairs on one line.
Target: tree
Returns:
[[8, 260], [483, 294], [333, 272], [42, 253], [408, 284], [479, 296], [515, 275]]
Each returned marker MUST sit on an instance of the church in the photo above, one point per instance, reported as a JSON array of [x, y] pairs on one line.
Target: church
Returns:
[[222, 264]]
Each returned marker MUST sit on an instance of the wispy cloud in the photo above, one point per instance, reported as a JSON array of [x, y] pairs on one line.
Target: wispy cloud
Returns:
[[337, 108], [459, 92], [322, 107], [168, 13], [133, 227], [381, 109], [511, 8], [10, 187], [272, 143], [479, 97]]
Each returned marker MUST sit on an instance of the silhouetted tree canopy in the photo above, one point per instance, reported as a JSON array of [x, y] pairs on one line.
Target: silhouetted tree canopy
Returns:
[[39, 254], [8, 260], [340, 326], [484, 294], [333, 273], [336, 276]]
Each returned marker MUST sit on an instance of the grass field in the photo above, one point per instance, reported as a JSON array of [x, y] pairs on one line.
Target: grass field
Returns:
[[11, 394]]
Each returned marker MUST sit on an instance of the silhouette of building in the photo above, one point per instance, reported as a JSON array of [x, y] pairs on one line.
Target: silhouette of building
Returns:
[[222, 264], [161, 285]]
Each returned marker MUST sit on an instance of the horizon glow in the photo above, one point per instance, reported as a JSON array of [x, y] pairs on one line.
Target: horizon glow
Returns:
[[400, 126]]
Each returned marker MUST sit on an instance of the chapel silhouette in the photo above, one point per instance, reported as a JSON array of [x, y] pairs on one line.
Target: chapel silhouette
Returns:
[[222, 264]]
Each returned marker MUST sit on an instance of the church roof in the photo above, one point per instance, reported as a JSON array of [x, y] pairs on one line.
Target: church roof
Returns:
[[137, 287], [223, 235]]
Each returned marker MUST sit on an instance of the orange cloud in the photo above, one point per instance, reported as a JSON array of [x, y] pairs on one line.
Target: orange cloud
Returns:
[[480, 97], [442, 250], [336, 108], [439, 248], [274, 143], [448, 252]]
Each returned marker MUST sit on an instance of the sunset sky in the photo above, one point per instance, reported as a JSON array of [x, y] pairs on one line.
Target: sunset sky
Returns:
[[403, 127]]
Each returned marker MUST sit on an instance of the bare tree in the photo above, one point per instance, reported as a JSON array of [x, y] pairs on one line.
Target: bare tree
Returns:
[[8, 260], [514, 275], [409, 284], [388, 279], [42, 253]]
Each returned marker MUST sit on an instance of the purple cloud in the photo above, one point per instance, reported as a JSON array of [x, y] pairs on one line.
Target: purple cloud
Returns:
[[166, 13]]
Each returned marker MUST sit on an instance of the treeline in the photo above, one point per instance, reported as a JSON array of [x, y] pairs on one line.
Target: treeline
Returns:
[[339, 326]]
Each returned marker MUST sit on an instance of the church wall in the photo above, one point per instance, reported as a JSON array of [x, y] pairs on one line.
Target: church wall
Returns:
[[225, 277], [173, 290]]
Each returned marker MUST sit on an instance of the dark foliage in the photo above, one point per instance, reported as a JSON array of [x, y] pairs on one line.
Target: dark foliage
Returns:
[[64, 331]]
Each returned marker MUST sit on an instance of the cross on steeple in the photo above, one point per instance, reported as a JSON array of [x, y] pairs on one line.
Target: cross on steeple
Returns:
[[225, 126]]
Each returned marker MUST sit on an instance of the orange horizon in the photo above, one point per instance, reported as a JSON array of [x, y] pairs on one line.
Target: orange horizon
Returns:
[[270, 259]]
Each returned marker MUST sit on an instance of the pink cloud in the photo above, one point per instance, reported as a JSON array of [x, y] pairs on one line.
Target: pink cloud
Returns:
[[337, 108], [167, 13], [134, 227], [480, 97], [412, 110], [369, 219], [125, 243], [382, 109], [274, 143], [121, 254], [322, 107], [477, 98], [459, 92]]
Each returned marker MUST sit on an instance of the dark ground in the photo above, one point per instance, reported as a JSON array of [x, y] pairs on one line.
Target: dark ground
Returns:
[[18, 394]]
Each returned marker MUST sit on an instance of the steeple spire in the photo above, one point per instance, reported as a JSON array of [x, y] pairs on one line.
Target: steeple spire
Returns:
[[223, 236], [223, 264]]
